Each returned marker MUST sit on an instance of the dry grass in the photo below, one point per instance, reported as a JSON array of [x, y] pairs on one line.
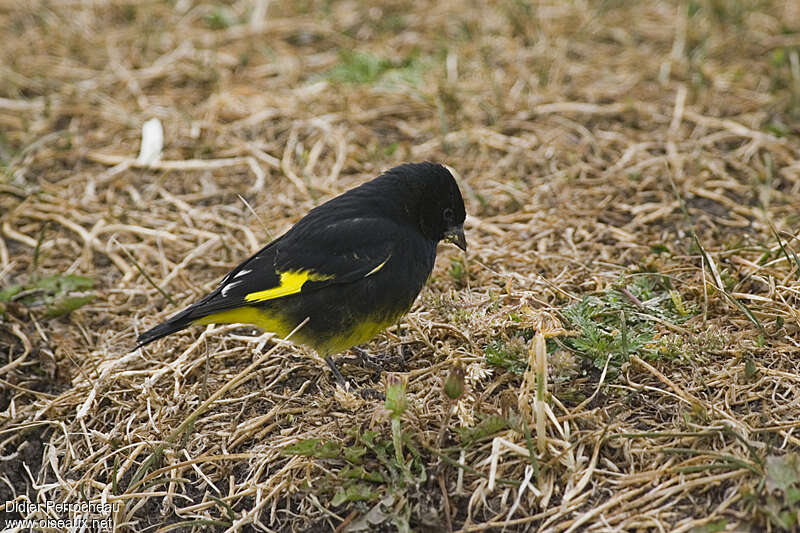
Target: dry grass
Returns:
[[603, 149]]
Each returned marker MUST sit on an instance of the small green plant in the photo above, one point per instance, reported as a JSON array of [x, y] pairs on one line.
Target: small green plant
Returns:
[[314, 448], [489, 425], [57, 295], [659, 248], [510, 354], [390, 148], [365, 68], [396, 403], [457, 269], [453, 385], [712, 527], [622, 320], [453, 388], [370, 467], [358, 68], [777, 497], [220, 18]]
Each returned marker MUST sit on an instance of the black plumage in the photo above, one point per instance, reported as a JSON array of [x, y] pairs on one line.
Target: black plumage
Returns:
[[352, 266]]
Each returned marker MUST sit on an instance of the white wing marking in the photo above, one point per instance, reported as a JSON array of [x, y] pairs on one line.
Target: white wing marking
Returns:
[[228, 287], [242, 273]]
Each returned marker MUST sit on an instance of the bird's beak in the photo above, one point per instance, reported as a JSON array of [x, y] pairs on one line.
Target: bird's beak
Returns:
[[456, 236]]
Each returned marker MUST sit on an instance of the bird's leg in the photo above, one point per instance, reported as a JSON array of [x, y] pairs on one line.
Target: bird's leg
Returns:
[[367, 394], [336, 374]]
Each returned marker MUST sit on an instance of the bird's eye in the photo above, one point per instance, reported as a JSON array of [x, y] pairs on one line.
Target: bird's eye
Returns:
[[448, 214]]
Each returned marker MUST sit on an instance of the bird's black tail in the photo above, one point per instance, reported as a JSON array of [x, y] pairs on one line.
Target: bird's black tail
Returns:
[[178, 322]]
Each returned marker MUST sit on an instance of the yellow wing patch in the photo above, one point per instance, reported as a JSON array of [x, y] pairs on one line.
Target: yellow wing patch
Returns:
[[291, 283], [371, 272]]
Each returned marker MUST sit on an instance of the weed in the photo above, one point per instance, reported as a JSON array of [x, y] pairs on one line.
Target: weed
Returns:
[[57, 295], [220, 18], [368, 69], [489, 425], [370, 468], [457, 270], [510, 354], [777, 496], [621, 321]]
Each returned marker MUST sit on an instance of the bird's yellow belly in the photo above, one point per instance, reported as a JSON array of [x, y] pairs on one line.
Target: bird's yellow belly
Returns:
[[249, 315], [359, 334], [324, 343]]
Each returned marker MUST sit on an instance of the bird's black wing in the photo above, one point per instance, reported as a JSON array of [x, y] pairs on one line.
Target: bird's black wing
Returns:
[[306, 258]]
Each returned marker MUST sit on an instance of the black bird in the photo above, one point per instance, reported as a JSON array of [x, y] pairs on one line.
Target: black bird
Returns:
[[352, 266]]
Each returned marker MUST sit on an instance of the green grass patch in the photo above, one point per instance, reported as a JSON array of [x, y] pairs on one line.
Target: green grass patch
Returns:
[[365, 471], [510, 354], [220, 18], [314, 448], [615, 323], [623, 320], [488, 426], [364, 68], [57, 295]]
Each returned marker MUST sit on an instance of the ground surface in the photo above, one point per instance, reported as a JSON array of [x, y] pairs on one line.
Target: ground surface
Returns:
[[632, 175]]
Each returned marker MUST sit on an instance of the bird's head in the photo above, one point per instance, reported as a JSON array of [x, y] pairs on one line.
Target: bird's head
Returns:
[[435, 201]]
